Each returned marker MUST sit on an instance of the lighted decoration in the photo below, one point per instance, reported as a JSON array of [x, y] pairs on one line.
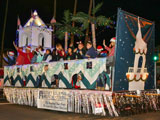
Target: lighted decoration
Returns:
[[137, 76], [35, 33]]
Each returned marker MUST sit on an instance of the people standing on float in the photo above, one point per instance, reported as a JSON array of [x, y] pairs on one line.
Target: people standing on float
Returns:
[[60, 52], [34, 58], [80, 52], [91, 53], [101, 52], [40, 54], [20, 57], [70, 55], [27, 54], [47, 56], [111, 48], [10, 59]]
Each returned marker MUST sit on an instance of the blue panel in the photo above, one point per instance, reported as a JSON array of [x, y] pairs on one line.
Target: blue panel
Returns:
[[127, 27]]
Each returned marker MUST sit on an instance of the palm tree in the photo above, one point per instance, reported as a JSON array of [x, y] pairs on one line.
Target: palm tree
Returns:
[[73, 23], [89, 13], [86, 20], [3, 34], [65, 28], [54, 17], [55, 5]]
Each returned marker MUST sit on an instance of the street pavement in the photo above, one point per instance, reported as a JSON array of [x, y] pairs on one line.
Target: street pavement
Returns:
[[18, 112]]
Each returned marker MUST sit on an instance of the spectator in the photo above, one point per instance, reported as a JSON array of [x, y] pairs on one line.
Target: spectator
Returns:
[[60, 52], [10, 59], [70, 55], [111, 48], [80, 52], [47, 56], [91, 53]]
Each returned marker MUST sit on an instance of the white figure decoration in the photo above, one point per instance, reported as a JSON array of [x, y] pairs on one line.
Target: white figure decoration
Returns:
[[135, 75]]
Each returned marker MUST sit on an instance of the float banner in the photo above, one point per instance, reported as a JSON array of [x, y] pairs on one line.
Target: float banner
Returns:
[[52, 99], [134, 67]]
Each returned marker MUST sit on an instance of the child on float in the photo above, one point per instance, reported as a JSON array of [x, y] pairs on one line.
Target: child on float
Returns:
[[34, 59], [60, 51], [47, 56], [54, 56], [101, 52], [10, 58], [40, 54], [91, 51], [80, 52], [70, 55]]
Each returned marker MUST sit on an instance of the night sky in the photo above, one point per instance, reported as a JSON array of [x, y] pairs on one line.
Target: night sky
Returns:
[[146, 9]]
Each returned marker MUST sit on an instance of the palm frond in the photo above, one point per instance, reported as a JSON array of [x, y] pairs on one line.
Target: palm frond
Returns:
[[83, 18], [76, 30], [57, 24], [80, 17], [82, 14], [60, 34], [85, 25], [67, 17], [97, 8], [103, 21]]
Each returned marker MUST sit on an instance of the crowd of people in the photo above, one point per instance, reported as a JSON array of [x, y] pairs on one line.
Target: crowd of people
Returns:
[[58, 54]]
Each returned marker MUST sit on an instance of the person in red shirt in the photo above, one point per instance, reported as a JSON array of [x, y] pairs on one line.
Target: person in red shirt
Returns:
[[60, 52], [27, 55], [20, 58]]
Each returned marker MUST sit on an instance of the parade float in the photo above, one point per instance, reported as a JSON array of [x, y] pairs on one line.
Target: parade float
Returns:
[[128, 90]]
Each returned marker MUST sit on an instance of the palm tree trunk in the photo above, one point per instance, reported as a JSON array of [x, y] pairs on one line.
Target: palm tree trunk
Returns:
[[89, 13], [66, 40], [54, 15], [93, 35], [55, 4], [3, 33], [73, 23]]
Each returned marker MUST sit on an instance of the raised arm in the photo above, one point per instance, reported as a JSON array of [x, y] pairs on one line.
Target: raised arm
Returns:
[[15, 45], [5, 58], [104, 43], [105, 46]]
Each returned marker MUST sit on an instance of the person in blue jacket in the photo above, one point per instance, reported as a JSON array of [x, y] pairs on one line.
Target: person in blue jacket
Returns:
[[91, 53]]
